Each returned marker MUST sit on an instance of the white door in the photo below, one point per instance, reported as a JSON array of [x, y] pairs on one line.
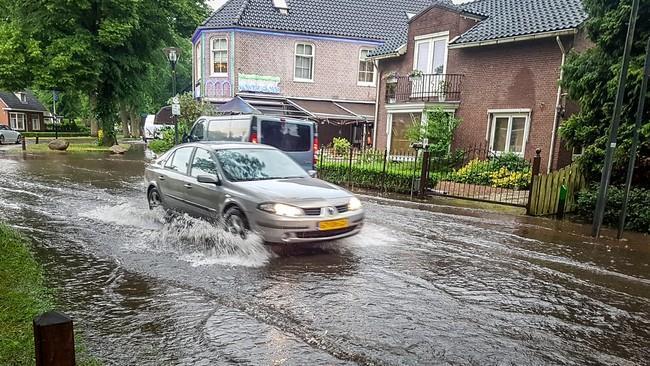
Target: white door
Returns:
[[431, 59]]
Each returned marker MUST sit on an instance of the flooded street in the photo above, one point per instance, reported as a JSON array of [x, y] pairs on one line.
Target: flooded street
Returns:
[[416, 287]]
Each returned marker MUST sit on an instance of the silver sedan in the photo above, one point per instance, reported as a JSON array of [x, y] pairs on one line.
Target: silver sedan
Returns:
[[251, 187]]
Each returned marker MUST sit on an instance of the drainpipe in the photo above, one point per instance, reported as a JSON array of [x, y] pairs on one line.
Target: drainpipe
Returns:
[[376, 126], [556, 120]]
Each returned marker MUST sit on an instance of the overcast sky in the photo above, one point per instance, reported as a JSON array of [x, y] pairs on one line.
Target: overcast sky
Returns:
[[217, 3]]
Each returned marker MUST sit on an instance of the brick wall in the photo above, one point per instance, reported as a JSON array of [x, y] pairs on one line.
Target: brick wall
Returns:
[[336, 65], [214, 87], [4, 116], [517, 75]]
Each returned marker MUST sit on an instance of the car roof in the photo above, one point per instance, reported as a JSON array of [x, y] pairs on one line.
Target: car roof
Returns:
[[227, 145]]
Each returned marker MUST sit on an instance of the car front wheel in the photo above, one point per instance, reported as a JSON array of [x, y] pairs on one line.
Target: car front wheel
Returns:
[[2, 139], [235, 222]]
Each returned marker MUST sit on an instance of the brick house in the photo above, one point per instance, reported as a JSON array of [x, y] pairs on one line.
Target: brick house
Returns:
[[493, 63], [22, 111], [304, 58]]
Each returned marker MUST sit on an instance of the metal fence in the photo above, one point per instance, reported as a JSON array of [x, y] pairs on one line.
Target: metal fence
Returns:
[[474, 173], [427, 87]]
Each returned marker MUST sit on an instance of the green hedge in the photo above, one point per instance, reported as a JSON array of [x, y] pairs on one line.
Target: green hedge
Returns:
[[638, 212], [370, 177], [52, 134]]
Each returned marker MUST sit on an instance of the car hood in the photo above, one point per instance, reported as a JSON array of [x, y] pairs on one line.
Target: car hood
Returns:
[[295, 190]]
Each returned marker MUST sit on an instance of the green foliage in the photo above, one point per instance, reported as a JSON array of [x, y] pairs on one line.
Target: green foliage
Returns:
[[395, 179], [192, 109], [591, 79], [341, 146], [438, 130], [166, 141], [23, 297], [638, 213], [110, 51], [504, 171]]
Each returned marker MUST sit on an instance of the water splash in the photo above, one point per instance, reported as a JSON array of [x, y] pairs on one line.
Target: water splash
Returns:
[[193, 240]]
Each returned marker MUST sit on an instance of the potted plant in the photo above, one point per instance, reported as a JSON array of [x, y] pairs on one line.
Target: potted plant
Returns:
[[415, 75], [391, 78], [443, 89]]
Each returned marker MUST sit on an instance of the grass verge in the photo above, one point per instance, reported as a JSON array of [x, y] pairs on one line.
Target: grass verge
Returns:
[[23, 296], [74, 147]]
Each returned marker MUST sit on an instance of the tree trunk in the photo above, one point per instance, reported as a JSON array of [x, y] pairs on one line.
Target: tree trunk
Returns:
[[136, 122], [94, 124], [124, 117]]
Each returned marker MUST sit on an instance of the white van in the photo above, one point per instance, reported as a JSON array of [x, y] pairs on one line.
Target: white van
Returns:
[[152, 130]]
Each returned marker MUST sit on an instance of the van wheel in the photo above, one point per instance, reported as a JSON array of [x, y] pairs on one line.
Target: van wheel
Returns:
[[235, 222]]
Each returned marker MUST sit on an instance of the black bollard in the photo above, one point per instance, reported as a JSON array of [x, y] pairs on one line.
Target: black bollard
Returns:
[[54, 340], [22, 141]]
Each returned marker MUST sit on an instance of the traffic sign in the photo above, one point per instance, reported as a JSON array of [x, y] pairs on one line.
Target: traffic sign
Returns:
[[176, 109]]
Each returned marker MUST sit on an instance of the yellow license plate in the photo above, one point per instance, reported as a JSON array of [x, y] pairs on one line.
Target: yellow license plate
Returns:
[[333, 224]]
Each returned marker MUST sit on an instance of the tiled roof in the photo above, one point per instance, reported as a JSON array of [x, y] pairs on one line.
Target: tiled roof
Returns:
[[506, 18], [361, 19], [509, 18], [31, 104]]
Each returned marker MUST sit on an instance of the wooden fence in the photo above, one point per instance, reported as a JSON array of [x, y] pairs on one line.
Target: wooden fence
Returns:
[[545, 191]]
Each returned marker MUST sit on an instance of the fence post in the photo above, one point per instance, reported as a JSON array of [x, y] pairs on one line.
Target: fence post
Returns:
[[383, 172], [350, 168], [22, 141], [424, 174], [537, 161], [54, 340]]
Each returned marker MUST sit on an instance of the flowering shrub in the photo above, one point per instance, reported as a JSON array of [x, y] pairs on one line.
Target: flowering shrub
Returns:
[[505, 171]]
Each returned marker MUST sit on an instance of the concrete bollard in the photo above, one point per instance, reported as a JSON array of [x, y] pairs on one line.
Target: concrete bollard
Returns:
[[54, 340]]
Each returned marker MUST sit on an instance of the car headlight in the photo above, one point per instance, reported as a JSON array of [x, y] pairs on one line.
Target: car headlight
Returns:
[[354, 204], [282, 209]]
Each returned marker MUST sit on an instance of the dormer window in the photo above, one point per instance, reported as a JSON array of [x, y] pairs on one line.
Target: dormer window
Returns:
[[21, 96], [281, 5]]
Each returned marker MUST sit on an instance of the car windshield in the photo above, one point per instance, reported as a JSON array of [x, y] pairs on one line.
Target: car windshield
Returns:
[[243, 165]]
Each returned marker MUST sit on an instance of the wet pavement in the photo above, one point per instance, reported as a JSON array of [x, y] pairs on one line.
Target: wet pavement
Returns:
[[416, 287]]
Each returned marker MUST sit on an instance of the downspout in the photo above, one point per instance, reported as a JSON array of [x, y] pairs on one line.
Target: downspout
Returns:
[[556, 119], [376, 126]]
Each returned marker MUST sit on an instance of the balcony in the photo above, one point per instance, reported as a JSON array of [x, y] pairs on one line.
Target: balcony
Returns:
[[427, 88]]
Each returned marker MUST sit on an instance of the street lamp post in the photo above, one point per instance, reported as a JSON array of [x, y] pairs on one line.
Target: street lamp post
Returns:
[[173, 55]]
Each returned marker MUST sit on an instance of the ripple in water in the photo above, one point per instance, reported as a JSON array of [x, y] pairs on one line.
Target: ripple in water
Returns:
[[196, 241]]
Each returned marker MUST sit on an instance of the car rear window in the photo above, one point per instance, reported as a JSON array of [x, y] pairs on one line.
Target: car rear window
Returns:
[[286, 136], [228, 130]]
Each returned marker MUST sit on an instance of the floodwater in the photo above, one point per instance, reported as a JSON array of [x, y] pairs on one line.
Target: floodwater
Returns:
[[416, 287]]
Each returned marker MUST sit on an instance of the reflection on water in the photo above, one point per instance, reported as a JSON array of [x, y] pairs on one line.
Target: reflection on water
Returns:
[[415, 287]]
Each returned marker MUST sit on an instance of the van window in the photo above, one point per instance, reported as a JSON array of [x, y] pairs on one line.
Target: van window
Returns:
[[198, 132], [228, 130], [287, 136]]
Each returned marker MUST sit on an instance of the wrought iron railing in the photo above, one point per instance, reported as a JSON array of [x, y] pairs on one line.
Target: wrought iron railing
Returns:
[[428, 88]]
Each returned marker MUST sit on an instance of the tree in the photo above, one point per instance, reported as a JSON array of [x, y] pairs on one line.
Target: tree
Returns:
[[591, 79], [437, 130], [105, 49]]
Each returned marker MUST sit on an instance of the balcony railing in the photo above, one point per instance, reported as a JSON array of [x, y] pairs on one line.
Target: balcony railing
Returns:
[[427, 88]]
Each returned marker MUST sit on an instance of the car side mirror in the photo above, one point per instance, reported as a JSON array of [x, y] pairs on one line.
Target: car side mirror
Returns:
[[312, 173], [209, 179], [186, 138]]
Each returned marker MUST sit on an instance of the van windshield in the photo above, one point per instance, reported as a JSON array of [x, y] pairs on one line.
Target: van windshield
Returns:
[[287, 136]]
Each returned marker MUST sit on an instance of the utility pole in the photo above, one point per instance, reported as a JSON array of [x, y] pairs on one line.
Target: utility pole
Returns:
[[635, 140], [613, 130]]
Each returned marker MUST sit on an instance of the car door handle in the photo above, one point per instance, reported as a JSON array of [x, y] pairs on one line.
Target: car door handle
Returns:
[[188, 186], [161, 178]]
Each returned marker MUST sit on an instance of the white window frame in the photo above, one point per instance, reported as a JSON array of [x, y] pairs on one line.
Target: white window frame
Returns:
[[431, 39], [36, 126], [213, 50], [313, 62], [510, 116], [13, 121], [374, 69], [199, 62]]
